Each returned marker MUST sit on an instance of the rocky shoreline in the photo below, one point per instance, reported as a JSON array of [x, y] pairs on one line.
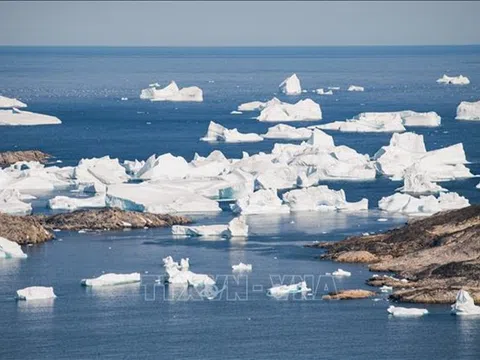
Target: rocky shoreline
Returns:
[[432, 257], [8, 158], [32, 229]]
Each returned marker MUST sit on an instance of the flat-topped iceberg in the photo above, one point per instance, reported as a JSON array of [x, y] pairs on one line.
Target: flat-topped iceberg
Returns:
[[454, 80], [11, 203], [464, 304], [6, 102], [242, 267], [303, 110], [355, 88], [172, 93], [176, 274], [236, 227], [217, 132], [468, 110], [260, 202], [36, 293], [10, 249], [282, 131], [291, 85], [423, 205], [406, 312], [112, 279], [282, 290], [321, 198], [15, 117], [71, 204]]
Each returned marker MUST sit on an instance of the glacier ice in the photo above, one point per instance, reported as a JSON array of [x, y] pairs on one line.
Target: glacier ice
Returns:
[[303, 110], [71, 203], [172, 93], [36, 293], [454, 80], [355, 88], [11, 203], [112, 279], [406, 312], [282, 131], [15, 117], [217, 132], [260, 202], [241, 267], [468, 110], [100, 172], [282, 290], [10, 249], [6, 102], [291, 85], [464, 304]]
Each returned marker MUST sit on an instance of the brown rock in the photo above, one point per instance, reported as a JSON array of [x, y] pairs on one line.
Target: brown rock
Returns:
[[23, 229], [379, 281], [11, 157], [349, 295], [357, 257]]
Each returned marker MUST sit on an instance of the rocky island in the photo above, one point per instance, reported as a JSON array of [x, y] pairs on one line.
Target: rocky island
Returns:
[[8, 158]]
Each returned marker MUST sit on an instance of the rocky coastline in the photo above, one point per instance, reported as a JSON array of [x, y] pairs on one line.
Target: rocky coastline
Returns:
[[8, 158]]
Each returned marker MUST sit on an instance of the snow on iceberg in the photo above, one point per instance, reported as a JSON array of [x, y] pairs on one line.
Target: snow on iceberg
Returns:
[[260, 202], [15, 117], [291, 85], [468, 110], [321, 198], [282, 290], [112, 279], [464, 304], [454, 80], [176, 274], [11, 203], [355, 88], [341, 273], [36, 293], [71, 204], [282, 131], [133, 167], [406, 312], [217, 132], [303, 110], [10, 249], [172, 93], [242, 267], [6, 102], [236, 227], [166, 166]]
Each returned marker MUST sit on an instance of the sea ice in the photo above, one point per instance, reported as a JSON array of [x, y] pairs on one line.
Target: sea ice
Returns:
[[468, 110], [11, 203], [406, 312], [282, 131], [71, 203], [424, 205], [282, 290], [36, 293], [6, 102], [15, 117], [291, 85], [260, 202], [217, 132], [454, 80], [112, 279], [172, 93], [242, 267], [303, 110], [464, 304], [355, 88], [10, 249]]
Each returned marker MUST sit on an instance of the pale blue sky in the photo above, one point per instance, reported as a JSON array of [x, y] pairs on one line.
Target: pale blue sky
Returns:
[[230, 23]]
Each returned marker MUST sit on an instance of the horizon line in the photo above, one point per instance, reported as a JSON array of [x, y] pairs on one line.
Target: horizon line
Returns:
[[238, 46]]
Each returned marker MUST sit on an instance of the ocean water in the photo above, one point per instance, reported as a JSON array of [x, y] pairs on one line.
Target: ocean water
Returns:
[[83, 87]]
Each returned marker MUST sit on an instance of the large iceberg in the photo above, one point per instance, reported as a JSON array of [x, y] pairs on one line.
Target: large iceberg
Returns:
[[258, 105], [71, 204], [282, 290], [15, 117], [303, 110], [260, 202], [11, 203], [464, 304], [100, 172], [291, 85], [236, 227], [282, 131], [468, 110], [321, 198], [423, 205], [166, 166], [10, 249], [36, 293], [6, 102], [172, 93], [416, 180], [112, 279], [454, 80], [217, 132], [406, 312], [176, 274]]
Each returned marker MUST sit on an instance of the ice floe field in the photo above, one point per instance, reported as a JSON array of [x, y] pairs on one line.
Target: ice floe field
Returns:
[[95, 92]]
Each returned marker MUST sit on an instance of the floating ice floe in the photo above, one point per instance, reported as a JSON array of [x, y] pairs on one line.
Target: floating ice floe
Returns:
[[341, 273], [6, 102], [355, 88], [242, 267], [282, 290], [424, 205], [236, 227], [172, 93], [291, 85], [321, 198], [11, 203], [282, 131], [36, 293], [71, 204], [100, 172], [260, 202], [406, 312], [323, 92], [112, 279], [454, 80], [15, 117], [217, 132], [258, 105], [468, 110], [10, 249], [303, 110], [386, 289], [235, 112], [176, 274], [464, 305]]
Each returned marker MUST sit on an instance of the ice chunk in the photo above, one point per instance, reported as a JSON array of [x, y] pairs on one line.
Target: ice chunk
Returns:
[[15, 117], [242, 267], [468, 110], [260, 202], [424, 205], [355, 88], [303, 110], [71, 204], [282, 131], [406, 312], [100, 172], [454, 80], [291, 85], [386, 289], [368, 122], [320, 198], [341, 273], [11, 203], [10, 249], [235, 112], [172, 93], [217, 132], [6, 102], [412, 118], [323, 92], [36, 293], [258, 105], [112, 279], [133, 167], [236, 227], [464, 304], [282, 290], [166, 166], [417, 181], [181, 275]]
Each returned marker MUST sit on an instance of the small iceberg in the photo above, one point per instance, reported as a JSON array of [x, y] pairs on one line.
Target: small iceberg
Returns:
[[264, 201], [11, 202], [236, 227], [176, 274], [282, 131], [323, 92], [464, 305], [242, 267], [282, 290], [355, 88], [6, 103], [468, 110], [406, 312], [386, 289], [71, 204], [112, 279], [291, 85], [235, 112], [341, 273], [36, 293], [217, 132], [10, 249], [171, 93], [417, 181], [453, 80], [303, 110], [15, 117]]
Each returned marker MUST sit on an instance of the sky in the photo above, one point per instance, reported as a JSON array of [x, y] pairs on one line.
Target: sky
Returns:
[[237, 23]]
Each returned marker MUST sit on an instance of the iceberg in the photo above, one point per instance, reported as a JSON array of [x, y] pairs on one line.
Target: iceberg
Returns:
[[165, 166], [282, 131], [454, 80], [242, 267], [323, 92], [112, 279], [282, 290], [464, 305], [236, 227], [468, 110], [33, 176], [291, 85], [406, 312], [341, 273], [133, 167], [15, 117], [258, 105], [176, 274], [417, 181], [386, 289], [71, 204], [36, 293], [321, 198], [260, 202], [303, 110], [6, 102], [235, 112], [10, 249], [355, 88], [171, 93], [11, 203], [100, 172], [217, 132]]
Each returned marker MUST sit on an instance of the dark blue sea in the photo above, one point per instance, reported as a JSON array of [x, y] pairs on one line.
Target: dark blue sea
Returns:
[[84, 87]]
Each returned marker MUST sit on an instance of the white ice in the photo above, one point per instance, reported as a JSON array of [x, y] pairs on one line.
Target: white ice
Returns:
[[464, 304], [71, 203], [258, 105], [15, 117], [100, 172], [406, 312], [236, 227], [260, 202], [172, 93], [355, 88], [282, 290], [282, 131], [11, 203], [242, 267], [341, 273], [10, 249], [291, 85], [36, 293], [323, 92], [416, 180], [112, 279], [303, 110], [468, 110], [6, 102], [217, 132], [176, 274], [454, 80]]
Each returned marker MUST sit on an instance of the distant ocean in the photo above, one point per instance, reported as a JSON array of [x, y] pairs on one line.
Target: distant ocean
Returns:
[[83, 86]]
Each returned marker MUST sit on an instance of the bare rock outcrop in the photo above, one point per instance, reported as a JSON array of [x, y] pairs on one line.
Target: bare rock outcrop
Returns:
[[11, 157], [349, 295], [23, 229]]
